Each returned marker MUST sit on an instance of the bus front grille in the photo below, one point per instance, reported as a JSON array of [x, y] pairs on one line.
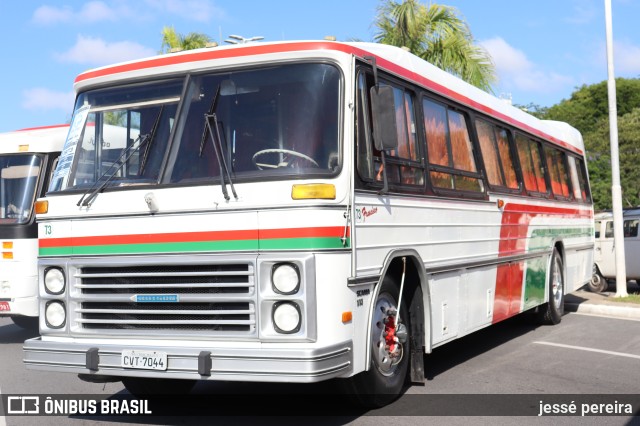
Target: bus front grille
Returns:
[[183, 298]]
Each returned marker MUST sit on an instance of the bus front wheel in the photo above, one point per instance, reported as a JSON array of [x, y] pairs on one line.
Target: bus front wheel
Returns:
[[384, 380]]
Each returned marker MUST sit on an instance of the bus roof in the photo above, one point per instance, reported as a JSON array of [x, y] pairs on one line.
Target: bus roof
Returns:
[[393, 59], [34, 139]]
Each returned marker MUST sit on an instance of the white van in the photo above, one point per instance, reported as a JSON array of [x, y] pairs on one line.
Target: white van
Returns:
[[604, 268]]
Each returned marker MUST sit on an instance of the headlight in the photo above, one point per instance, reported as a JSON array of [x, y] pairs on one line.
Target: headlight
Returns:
[[286, 317], [55, 314], [53, 281], [285, 278]]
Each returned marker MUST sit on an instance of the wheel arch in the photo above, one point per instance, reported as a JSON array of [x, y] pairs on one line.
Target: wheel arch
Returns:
[[417, 297]]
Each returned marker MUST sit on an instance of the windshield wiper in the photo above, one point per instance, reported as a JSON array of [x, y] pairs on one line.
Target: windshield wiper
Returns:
[[217, 146], [141, 140], [152, 137]]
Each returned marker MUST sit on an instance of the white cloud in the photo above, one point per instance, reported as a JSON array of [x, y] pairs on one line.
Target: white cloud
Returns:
[[516, 72], [196, 10], [40, 98], [93, 11], [508, 59], [583, 13], [626, 57], [52, 15], [95, 52], [97, 10]]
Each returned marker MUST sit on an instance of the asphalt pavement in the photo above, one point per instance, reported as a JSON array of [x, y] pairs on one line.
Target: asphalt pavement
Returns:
[[585, 302]]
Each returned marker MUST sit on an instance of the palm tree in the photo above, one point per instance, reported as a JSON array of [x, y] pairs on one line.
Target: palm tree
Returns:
[[435, 33], [171, 40]]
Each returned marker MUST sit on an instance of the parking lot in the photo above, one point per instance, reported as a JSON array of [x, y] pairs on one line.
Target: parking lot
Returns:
[[584, 359]]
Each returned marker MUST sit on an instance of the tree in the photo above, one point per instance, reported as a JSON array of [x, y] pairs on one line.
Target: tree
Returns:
[[173, 40], [588, 111], [436, 34]]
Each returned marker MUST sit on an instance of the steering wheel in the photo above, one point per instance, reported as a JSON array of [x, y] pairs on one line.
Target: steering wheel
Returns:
[[261, 166]]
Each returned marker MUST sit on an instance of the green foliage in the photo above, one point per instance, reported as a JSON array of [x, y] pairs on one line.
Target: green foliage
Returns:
[[588, 111], [438, 35], [173, 40]]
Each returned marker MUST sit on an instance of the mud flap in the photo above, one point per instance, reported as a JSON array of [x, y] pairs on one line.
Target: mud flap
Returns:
[[416, 339]]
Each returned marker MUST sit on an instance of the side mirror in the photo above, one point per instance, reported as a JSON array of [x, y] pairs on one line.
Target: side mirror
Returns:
[[383, 112]]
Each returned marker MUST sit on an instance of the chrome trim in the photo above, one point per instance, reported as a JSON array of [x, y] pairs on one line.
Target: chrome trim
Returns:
[[301, 365]]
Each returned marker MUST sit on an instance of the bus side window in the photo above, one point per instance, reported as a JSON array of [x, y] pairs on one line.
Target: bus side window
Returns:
[[494, 146], [579, 181], [531, 164], [557, 172], [404, 165], [449, 149]]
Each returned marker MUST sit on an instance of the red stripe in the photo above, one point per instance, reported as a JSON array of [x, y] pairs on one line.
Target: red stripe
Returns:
[[263, 49], [55, 126], [328, 231], [183, 237], [514, 229]]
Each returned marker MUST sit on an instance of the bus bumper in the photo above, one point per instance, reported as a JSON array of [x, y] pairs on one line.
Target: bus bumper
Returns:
[[184, 362], [26, 306]]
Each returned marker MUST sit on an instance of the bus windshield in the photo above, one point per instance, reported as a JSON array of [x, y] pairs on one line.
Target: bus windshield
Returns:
[[18, 182], [246, 125]]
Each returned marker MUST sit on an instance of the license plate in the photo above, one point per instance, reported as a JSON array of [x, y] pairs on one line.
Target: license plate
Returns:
[[146, 360], [4, 306]]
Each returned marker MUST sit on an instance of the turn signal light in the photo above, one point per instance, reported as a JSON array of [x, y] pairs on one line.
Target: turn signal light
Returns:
[[7, 245], [347, 316], [42, 206], [324, 191], [7, 255]]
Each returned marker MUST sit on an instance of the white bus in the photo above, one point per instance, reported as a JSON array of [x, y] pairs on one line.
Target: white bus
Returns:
[[296, 212], [27, 159]]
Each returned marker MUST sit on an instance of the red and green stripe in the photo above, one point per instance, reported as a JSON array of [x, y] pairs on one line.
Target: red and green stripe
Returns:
[[315, 238], [514, 232]]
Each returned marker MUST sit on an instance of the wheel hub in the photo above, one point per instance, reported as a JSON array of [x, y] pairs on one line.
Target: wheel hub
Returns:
[[387, 347]]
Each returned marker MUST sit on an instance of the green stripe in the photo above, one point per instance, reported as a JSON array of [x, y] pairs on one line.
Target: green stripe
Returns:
[[542, 238], [201, 246], [535, 282]]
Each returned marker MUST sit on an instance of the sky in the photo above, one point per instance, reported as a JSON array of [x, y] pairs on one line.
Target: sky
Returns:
[[543, 50]]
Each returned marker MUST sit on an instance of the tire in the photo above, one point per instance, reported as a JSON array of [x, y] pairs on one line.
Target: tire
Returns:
[[385, 379], [598, 283], [139, 386], [552, 311], [28, 323]]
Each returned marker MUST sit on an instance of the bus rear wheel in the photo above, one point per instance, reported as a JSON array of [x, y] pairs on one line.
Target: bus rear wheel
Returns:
[[383, 382], [552, 311]]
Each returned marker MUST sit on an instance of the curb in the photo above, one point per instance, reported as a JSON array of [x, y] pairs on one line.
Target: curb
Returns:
[[623, 312]]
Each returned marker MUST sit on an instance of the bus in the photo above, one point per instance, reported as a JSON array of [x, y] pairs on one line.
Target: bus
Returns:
[[298, 212], [27, 159]]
